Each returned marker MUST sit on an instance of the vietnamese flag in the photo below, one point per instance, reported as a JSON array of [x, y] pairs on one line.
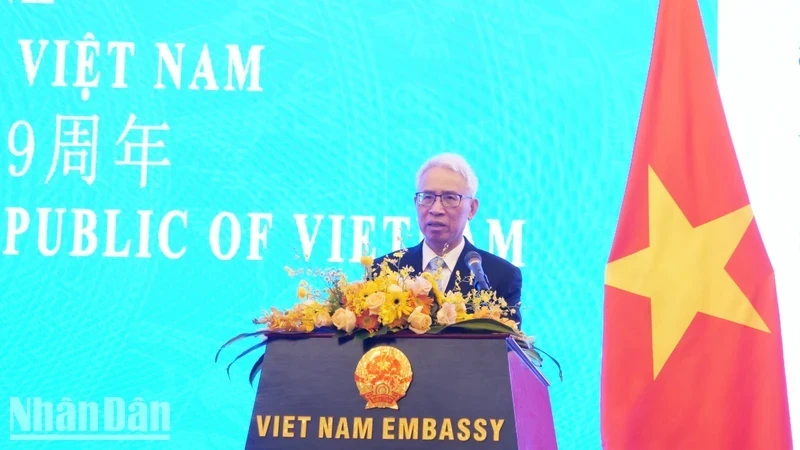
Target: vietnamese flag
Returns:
[[692, 355]]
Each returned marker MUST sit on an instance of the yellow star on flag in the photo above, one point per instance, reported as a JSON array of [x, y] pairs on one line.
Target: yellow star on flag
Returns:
[[683, 271]]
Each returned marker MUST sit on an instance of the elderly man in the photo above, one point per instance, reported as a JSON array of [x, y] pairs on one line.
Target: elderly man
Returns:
[[445, 201]]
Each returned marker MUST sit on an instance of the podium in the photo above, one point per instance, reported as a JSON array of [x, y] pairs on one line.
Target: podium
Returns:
[[466, 391]]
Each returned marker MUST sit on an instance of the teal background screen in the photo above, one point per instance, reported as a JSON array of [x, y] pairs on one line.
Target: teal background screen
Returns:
[[351, 97]]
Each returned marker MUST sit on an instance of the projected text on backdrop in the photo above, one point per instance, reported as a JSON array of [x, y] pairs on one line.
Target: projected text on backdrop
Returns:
[[142, 146]]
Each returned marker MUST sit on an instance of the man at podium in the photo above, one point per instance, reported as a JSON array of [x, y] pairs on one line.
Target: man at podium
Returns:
[[446, 199], [396, 391]]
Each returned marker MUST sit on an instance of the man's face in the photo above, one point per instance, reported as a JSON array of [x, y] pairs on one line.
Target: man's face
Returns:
[[439, 223]]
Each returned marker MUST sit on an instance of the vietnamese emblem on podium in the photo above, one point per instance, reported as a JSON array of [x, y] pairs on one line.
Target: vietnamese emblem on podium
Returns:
[[383, 376]]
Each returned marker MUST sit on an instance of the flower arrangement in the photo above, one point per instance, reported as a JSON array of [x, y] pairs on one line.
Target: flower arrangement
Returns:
[[386, 299]]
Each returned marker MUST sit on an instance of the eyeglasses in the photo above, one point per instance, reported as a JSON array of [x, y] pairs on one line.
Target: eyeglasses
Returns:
[[448, 200]]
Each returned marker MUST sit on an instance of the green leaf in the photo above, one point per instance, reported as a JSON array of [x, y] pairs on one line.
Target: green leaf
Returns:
[[256, 368], [490, 325], [260, 344], [381, 331], [340, 334], [560, 372], [523, 341], [436, 329], [234, 339], [362, 334], [533, 355]]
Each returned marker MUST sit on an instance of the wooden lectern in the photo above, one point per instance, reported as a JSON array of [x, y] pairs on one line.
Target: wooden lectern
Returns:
[[466, 391]]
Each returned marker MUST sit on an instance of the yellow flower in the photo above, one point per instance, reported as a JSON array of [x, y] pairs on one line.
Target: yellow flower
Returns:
[[367, 261], [461, 313], [306, 326], [357, 294], [483, 313], [456, 298], [302, 292], [367, 288], [387, 279], [344, 319], [375, 301], [510, 323], [323, 318], [418, 322], [309, 312], [397, 305]]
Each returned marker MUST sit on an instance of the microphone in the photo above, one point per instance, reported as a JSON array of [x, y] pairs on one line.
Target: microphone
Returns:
[[473, 260]]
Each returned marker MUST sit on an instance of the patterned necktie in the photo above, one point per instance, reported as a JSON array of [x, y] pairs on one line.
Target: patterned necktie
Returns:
[[434, 266]]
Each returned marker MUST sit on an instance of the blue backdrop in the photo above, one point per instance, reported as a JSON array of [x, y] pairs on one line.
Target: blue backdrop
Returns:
[[330, 118]]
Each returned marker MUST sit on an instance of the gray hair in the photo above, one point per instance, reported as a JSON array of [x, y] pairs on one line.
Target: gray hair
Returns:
[[453, 162]]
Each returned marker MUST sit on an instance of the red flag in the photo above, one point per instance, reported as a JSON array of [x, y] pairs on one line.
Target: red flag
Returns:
[[692, 354]]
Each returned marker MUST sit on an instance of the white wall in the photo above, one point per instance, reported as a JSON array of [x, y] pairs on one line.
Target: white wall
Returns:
[[759, 80]]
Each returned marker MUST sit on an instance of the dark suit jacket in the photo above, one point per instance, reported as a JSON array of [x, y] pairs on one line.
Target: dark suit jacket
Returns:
[[504, 277]]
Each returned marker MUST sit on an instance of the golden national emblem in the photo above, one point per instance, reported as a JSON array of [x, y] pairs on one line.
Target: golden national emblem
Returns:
[[383, 376]]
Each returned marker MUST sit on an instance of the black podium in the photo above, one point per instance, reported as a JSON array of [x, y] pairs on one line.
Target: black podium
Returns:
[[450, 392]]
